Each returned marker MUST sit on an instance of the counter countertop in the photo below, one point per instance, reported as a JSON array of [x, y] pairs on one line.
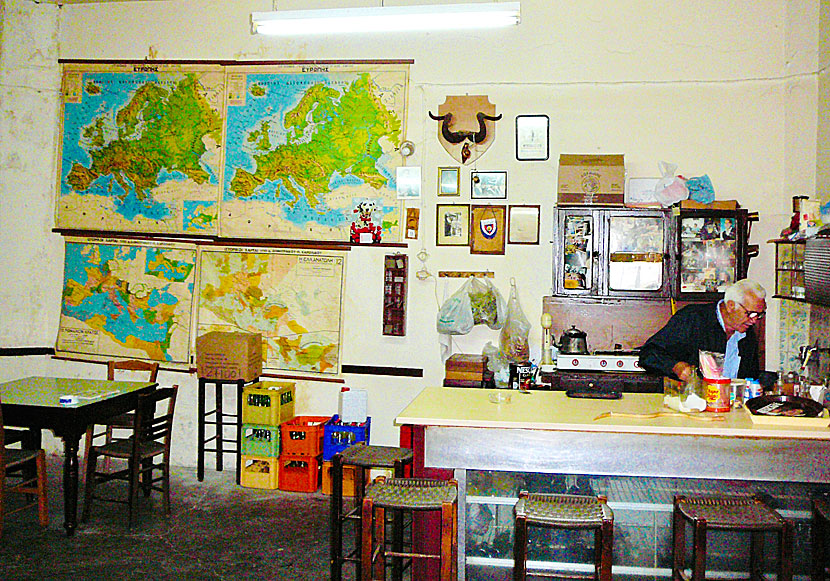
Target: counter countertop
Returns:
[[553, 410]]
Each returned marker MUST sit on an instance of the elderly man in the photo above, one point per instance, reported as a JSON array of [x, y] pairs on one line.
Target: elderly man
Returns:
[[722, 327]]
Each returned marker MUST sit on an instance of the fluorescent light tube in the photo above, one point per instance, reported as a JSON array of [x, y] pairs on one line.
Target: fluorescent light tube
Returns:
[[386, 19]]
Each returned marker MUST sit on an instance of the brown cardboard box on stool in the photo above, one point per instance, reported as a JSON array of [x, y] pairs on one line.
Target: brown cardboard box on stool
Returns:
[[229, 356], [592, 179]]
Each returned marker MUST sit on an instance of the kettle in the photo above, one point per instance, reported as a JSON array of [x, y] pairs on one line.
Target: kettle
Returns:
[[573, 342]]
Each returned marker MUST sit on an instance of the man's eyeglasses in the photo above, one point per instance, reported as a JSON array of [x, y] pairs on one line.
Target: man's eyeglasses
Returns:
[[754, 315]]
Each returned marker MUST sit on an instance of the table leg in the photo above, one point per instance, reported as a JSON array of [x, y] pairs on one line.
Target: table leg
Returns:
[[200, 433], [70, 483], [220, 426]]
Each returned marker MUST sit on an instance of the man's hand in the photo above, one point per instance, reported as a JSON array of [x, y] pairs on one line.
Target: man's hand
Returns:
[[683, 370]]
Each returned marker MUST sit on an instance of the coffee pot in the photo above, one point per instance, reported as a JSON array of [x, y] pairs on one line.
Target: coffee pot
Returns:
[[573, 342]]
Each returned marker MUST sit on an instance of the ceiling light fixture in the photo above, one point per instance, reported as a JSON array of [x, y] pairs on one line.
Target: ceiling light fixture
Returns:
[[386, 19]]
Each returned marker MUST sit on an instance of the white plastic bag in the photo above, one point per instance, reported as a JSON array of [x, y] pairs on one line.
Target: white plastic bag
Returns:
[[671, 188], [455, 317], [513, 338]]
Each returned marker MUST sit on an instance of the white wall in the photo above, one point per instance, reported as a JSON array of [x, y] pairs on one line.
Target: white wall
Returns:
[[726, 89]]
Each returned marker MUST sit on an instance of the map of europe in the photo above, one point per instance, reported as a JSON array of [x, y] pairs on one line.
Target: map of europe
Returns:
[[129, 300], [141, 147], [306, 145], [292, 297]]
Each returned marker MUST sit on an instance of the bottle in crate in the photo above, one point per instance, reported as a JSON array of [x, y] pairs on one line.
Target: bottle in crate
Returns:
[[338, 435], [268, 403]]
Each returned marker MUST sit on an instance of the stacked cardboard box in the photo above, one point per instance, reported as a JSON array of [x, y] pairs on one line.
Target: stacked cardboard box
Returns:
[[467, 370]]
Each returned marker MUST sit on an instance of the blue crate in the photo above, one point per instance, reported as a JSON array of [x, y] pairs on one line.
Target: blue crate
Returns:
[[338, 436]]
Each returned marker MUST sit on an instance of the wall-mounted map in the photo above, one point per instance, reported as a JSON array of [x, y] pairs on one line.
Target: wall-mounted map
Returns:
[[127, 299], [140, 150], [292, 297], [306, 145]]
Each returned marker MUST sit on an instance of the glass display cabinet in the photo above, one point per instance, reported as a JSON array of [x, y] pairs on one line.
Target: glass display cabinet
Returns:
[[612, 252], [789, 269], [712, 251]]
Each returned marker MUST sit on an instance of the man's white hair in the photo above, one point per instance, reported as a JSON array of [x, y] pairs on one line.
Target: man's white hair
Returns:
[[743, 288]]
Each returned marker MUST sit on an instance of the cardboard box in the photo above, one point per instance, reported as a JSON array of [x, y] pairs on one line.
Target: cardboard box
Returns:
[[229, 356], [591, 179]]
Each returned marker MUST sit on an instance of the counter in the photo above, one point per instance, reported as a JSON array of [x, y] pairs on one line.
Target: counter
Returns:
[[549, 433]]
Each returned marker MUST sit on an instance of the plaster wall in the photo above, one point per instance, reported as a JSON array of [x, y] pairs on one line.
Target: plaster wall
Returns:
[[732, 90]]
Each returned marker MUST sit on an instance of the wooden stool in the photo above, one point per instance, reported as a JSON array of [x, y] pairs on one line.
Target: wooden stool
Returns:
[[364, 458], [728, 513], [408, 494], [564, 511], [820, 533]]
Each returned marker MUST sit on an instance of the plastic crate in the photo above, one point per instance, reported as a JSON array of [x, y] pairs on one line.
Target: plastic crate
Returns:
[[299, 473], [258, 440], [350, 476], [338, 436], [268, 403], [259, 472], [303, 436]]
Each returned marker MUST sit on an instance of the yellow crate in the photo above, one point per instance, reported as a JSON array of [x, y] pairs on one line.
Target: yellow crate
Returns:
[[268, 403], [350, 476], [259, 472]]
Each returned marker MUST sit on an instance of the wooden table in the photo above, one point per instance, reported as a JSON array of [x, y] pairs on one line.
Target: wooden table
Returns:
[[547, 432], [33, 402]]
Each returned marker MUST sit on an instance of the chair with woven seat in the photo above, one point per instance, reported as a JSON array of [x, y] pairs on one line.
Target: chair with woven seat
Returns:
[[820, 534], [17, 465], [125, 421], [408, 494], [146, 451], [564, 511], [728, 513], [363, 457]]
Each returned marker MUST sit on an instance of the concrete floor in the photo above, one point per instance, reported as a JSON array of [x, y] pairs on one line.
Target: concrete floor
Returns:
[[218, 530]]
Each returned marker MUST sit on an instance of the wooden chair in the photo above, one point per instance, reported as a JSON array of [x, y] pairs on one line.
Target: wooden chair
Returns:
[[146, 451], [17, 464], [122, 421]]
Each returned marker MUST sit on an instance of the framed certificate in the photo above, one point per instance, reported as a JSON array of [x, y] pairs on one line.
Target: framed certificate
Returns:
[[523, 224], [532, 136]]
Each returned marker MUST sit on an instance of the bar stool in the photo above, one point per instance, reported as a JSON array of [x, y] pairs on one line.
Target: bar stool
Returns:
[[728, 513], [408, 494], [819, 535], [363, 457], [564, 511]]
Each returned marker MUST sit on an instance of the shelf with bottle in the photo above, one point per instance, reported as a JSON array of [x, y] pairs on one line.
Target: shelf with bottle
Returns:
[[789, 269]]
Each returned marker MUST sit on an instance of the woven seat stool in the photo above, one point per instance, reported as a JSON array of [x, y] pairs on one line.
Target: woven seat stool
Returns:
[[728, 513], [408, 494], [564, 511], [820, 534], [364, 458]]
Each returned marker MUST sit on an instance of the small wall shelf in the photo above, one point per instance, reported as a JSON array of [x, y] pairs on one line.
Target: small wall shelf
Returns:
[[789, 269], [394, 294]]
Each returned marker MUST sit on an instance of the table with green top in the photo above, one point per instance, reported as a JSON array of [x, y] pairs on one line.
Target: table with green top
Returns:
[[35, 403]]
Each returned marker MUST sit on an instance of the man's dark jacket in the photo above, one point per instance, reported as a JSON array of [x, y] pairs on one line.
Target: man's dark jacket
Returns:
[[691, 329]]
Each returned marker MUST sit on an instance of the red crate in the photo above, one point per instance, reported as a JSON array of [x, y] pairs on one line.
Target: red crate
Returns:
[[299, 473], [303, 435]]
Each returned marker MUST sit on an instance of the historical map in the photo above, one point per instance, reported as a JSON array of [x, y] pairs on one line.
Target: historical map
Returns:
[[140, 150], [292, 297], [127, 299], [310, 147]]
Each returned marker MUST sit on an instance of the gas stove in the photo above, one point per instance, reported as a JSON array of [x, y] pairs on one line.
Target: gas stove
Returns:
[[603, 361]]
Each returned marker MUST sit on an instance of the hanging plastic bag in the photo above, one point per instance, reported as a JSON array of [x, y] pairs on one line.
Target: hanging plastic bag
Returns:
[[671, 188], [455, 317], [486, 303], [701, 189], [513, 338]]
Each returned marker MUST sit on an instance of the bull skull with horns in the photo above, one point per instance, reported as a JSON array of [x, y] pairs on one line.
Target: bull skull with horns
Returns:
[[467, 126]]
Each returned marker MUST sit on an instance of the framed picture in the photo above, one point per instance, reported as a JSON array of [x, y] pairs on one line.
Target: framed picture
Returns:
[[532, 136], [523, 224], [449, 181], [488, 185], [408, 182], [487, 229], [452, 225]]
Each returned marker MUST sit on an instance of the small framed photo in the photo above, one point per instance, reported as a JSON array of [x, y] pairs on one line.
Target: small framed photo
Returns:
[[452, 225], [532, 137], [488, 185], [523, 224], [487, 229], [449, 181]]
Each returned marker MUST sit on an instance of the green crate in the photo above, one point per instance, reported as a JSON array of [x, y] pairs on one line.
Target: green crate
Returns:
[[260, 440]]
